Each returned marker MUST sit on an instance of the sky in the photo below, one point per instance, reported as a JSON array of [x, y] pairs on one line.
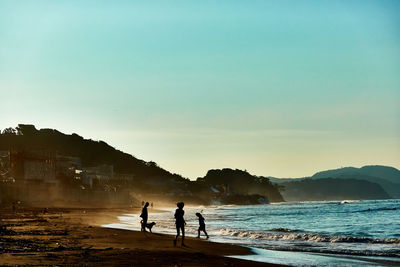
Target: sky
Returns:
[[278, 88]]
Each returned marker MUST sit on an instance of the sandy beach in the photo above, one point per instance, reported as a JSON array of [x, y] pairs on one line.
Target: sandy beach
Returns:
[[64, 236]]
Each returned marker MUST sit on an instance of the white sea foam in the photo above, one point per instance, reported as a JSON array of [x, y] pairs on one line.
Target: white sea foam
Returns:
[[307, 237]]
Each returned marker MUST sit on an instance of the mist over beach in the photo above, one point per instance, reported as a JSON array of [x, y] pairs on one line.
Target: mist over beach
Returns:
[[188, 133]]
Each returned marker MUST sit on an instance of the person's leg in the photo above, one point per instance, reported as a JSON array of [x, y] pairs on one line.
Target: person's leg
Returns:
[[183, 235], [198, 233], [205, 232], [178, 229], [144, 225], [177, 234]]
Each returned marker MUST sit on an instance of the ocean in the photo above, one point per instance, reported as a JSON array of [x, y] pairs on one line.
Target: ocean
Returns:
[[346, 233]]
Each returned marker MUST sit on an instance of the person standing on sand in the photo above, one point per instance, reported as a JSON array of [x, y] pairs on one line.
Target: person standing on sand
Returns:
[[180, 222], [202, 226], [145, 216]]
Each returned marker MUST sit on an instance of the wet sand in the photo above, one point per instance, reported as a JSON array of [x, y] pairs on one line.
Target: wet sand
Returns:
[[74, 237]]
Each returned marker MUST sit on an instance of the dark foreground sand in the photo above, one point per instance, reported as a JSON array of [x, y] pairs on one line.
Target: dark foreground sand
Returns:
[[74, 237]]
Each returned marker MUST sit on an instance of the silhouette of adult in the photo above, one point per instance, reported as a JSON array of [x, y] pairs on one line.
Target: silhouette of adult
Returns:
[[180, 222], [145, 216]]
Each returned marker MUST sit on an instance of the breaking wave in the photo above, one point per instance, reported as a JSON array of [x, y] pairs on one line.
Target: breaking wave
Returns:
[[292, 235]]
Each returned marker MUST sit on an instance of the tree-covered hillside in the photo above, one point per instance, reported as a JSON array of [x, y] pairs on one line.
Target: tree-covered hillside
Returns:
[[241, 182], [91, 152], [147, 178]]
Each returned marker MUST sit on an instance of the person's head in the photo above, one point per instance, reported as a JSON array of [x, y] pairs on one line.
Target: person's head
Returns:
[[180, 205], [198, 214], [147, 204]]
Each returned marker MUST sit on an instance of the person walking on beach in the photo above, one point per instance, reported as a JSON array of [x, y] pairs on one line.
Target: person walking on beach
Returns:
[[202, 225], [145, 216], [180, 222]]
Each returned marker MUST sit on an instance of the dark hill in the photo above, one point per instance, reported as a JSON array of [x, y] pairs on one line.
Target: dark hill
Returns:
[[384, 172], [387, 177], [241, 182], [146, 178], [332, 189], [91, 152]]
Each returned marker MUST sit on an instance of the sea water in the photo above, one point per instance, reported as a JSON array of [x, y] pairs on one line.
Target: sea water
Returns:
[[343, 229]]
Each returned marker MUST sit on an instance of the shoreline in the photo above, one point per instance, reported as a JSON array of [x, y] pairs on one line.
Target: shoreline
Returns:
[[293, 258], [290, 257], [65, 236]]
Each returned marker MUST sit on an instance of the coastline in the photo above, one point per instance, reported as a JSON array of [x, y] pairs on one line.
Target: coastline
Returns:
[[272, 256], [65, 236]]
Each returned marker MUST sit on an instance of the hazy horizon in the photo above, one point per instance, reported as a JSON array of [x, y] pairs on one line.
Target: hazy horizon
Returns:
[[279, 88]]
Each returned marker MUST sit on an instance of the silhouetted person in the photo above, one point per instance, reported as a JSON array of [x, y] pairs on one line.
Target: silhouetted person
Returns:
[[152, 205], [202, 225], [145, 216], [180, 222]]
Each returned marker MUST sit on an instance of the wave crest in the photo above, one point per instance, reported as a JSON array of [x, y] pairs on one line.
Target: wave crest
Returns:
[[291, 235]]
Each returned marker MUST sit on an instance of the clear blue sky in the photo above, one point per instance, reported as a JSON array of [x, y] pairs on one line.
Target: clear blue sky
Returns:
[[281, 88]]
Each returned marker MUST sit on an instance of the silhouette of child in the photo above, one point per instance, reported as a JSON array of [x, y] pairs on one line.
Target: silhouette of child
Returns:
[[180, 222], [202, 226]]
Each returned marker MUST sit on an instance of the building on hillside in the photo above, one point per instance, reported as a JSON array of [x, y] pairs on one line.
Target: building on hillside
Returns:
[[34, 175], [4, 154], [123, 177], [45, 177], [4, 165], [68, 166], [101, 174], [38, 166]]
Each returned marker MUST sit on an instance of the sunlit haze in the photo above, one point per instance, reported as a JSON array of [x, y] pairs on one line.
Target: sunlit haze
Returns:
[[279, 88]]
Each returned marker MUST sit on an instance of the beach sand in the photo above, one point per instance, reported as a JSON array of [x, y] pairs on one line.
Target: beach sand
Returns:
[[62, 236]]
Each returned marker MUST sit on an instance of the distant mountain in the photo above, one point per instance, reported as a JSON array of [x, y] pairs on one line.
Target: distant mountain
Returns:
[[384, 172], [387, 177], [332, 189]]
